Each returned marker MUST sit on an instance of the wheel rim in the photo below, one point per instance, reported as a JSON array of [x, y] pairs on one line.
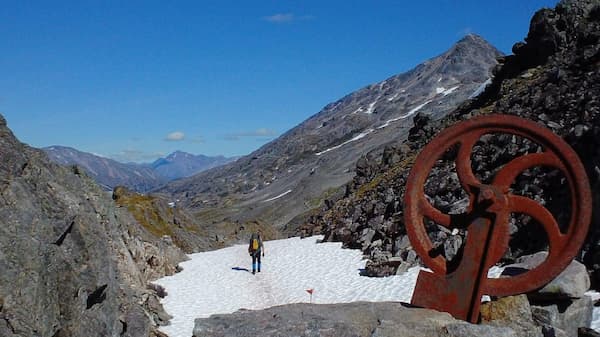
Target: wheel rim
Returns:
[[557, 154]]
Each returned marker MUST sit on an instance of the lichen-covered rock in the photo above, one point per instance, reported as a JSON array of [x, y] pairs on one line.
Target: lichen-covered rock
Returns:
[[513, 312], [164, 221]]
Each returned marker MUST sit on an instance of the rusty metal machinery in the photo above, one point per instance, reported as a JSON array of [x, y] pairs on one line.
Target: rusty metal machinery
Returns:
[[458, 289]]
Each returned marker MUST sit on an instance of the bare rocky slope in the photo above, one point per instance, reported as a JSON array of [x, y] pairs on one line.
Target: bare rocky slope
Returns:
[[553, 78], [72, 263], [160, 217], [306, 165]]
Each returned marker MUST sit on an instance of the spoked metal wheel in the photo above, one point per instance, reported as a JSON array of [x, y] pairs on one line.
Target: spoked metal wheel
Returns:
[[496, 198]]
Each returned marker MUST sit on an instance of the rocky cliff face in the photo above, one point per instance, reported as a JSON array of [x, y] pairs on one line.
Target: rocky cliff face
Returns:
[[297, 171], [72, 263], [552, 78]]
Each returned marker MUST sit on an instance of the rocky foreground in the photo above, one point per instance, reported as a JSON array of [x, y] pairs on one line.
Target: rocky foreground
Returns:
[[511, 318], [560, 309]]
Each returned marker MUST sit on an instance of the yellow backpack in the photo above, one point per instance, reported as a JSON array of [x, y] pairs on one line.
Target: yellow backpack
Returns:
[[254, 244]]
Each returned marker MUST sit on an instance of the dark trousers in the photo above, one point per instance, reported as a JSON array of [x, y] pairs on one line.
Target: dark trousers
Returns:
[[255, 260]]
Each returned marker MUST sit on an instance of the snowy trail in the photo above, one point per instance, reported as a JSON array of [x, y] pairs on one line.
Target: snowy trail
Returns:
[[219, 281], [216, 282]]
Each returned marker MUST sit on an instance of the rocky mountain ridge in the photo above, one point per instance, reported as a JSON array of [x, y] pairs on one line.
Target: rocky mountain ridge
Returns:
[[110, 173], [297, 171], [552, 79]]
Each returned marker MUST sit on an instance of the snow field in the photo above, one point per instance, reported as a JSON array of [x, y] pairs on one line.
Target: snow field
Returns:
[[216, 282], [220, 281]]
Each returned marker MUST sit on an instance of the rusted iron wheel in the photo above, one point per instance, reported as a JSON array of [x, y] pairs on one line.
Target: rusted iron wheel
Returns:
[[556, 154]]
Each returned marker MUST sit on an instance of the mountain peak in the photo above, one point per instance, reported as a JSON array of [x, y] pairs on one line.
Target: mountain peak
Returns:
[[474, 41], [179, 153], [182, 164], [469, 50], [471, 37], [319, 154]]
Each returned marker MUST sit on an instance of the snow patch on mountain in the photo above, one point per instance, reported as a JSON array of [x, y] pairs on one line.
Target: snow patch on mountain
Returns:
[[372, 106], [481, 88], [357, 137], [279, 196], [393, 97], [444, 91], [360, 109], [411, 112]]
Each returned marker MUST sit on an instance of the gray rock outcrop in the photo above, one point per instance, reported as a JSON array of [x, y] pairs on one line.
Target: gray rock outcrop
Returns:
[[561, 305], [513, 312], [72, 264], [509, 316], [384, 319], [568, 316], [572, 282]]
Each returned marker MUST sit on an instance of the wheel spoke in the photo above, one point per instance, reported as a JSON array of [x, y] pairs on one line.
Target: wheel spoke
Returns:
[[463, 161], [506, 176], [523, 205], [433, 213]]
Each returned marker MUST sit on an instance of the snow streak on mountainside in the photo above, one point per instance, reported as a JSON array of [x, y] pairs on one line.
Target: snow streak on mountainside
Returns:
[[319, 155]]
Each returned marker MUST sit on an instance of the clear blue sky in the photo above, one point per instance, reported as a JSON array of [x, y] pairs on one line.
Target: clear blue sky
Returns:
[[133, 80]]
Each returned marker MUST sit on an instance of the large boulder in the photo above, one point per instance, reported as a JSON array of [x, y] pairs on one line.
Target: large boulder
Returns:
[[566, 315], [513, 312], [572, 282], [384, 319]]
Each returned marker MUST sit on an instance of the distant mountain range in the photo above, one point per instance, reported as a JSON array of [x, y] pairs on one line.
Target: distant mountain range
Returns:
[[296, 172], [182, 164], [139, 177]]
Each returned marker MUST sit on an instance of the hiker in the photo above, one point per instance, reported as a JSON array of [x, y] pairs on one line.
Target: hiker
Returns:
[[255, 248]]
